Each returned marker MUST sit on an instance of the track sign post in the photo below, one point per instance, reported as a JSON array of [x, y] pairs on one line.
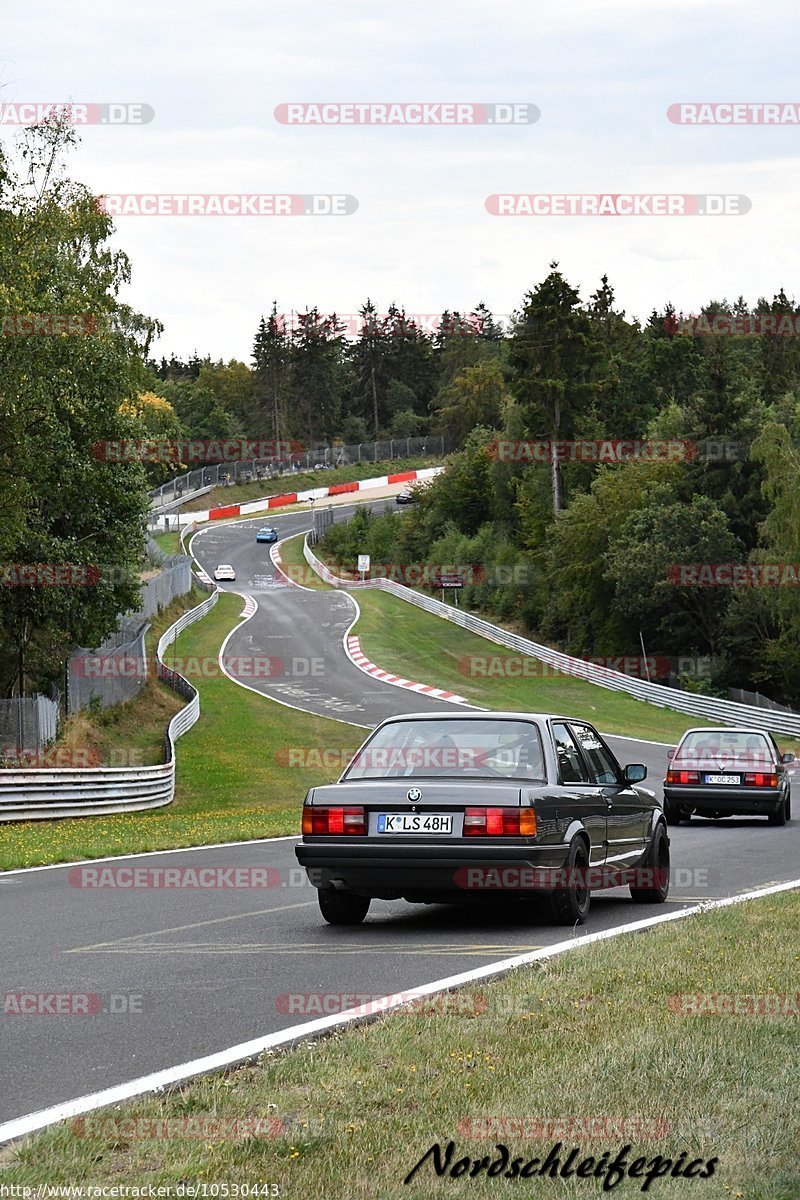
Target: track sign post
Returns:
[[452, 580]]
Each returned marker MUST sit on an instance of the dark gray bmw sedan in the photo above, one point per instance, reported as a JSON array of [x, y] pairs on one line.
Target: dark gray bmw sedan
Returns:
[[448, 808]]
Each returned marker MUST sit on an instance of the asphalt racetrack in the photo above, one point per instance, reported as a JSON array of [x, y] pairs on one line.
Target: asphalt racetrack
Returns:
[[175, 974]]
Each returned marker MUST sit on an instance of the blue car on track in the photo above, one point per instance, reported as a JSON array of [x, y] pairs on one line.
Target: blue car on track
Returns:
[[267, 534]]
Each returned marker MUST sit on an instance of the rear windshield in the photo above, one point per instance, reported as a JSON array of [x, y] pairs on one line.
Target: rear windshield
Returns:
[[464, 749], [715, 745]]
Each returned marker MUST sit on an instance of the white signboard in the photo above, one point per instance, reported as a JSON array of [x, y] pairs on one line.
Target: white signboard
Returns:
[[363, 562]]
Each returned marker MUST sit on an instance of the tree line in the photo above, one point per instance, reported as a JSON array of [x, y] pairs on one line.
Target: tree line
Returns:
[[690, 544], [588, 548], [314, 378]]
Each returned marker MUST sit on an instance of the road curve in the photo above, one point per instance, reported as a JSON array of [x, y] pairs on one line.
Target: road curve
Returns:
[[190, 972], [300, 628]]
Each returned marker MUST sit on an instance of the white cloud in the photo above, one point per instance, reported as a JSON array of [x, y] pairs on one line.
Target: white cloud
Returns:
[[602, 73]]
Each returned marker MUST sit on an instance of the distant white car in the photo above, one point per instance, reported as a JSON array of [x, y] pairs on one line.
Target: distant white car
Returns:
[[224, 571]]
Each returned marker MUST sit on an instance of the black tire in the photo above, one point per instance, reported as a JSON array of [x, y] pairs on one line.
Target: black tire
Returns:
[[780, 815], [673, 813], [342, 908], [570, 905], [657, 861]]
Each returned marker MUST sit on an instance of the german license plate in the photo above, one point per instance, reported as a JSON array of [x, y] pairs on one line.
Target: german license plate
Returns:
[[722, 779], [415, 823]]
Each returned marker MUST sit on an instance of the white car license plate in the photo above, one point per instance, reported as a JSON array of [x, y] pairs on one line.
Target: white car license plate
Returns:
[[722, 779], [415, 823]]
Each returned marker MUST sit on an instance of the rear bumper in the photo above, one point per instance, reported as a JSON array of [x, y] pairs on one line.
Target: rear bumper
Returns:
[[745, 801], [430, 870]]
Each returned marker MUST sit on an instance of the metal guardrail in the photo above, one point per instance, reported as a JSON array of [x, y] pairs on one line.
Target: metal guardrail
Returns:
[[186, 487], [729, 712], [41, 794]]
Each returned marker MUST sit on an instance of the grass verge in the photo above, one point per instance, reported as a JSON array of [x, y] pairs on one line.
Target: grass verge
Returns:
[[132, 733], [417, 645], [234, 778], [294, 563], [170, 543], [301, 481], [595, 1035]]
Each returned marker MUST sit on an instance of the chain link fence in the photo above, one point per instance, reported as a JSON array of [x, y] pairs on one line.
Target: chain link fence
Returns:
[[109, 674], [113, 672], [27, 724], [162, 589], [323, 457], [756, 699]]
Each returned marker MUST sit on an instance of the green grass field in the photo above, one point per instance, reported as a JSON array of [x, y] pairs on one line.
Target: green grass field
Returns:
[[596, 1035], [410, 642], [235, 778], [170, 543], [296, 566]]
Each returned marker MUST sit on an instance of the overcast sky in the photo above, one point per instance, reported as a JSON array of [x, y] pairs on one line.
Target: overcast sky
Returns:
[[602, 72]]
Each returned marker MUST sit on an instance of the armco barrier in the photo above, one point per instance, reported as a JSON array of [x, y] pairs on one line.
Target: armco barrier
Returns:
[[709, 708], [265, 503], [41, 794]]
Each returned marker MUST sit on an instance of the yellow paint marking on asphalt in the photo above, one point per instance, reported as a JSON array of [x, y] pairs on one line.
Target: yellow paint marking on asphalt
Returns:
[[259, 912], [295, 948]]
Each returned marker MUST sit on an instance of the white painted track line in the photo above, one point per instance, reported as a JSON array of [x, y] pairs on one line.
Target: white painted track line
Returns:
[[22, 1126]]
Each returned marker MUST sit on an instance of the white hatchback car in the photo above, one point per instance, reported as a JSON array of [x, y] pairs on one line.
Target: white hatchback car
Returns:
[[224, 571]]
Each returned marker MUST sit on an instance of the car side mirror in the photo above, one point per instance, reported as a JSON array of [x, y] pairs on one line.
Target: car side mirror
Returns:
[[635, 772], [673, 750], [787, 758]]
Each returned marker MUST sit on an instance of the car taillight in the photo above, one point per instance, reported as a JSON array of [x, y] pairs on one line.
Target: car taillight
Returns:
[[759, 779], [499, 822], [683, 776], [333, 820]]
